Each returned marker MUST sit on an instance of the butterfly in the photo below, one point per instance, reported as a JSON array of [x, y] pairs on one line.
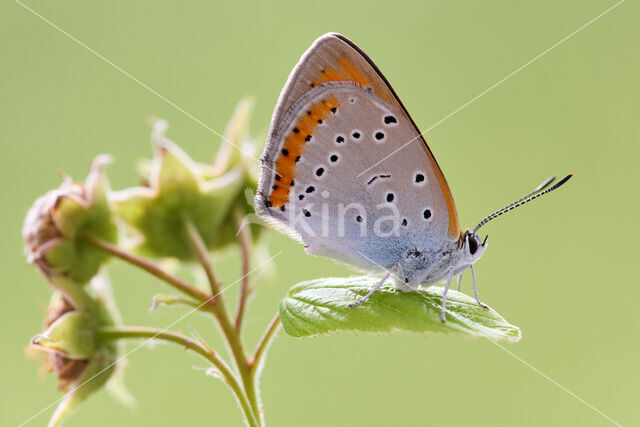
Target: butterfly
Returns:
[[346, 171]]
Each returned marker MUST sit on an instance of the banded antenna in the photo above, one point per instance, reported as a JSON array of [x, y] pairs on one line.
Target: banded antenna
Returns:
[[539, 191]]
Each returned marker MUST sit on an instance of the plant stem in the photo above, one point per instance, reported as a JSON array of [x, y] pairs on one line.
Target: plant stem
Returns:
[[151, 268], [200, 250], [218, 310], [132, 332], [264, 344], [245, 242]]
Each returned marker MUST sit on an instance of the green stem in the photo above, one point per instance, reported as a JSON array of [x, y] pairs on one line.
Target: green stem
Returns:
[[245, 242], [151, 268], [201, 253], [70, 289], [219, 312], [254, 363], [133, 332]]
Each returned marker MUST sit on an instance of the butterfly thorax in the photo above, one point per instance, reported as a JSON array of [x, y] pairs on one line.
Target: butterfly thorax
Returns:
[[421, 268]]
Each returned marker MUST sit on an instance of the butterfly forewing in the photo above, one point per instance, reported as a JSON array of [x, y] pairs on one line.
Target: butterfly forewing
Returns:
[[323, 178]]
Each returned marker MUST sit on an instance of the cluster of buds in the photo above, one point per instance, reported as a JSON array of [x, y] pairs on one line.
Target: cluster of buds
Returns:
[[55, 232], [176, 188], [71, 344], [62, 227], [58, 223]]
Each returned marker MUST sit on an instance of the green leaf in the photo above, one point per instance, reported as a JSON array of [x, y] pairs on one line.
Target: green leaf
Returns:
[[320, 306]]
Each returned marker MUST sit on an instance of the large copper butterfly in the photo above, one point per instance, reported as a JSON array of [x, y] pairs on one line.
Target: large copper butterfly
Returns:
[[346, 171]]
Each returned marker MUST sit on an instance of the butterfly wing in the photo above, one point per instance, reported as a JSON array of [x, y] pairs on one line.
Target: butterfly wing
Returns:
[[343, 156]]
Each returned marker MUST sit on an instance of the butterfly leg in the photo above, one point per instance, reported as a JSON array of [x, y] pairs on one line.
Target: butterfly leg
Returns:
[[459, 281], [373, 290], [444, 296], [475, 290], [400, 281]]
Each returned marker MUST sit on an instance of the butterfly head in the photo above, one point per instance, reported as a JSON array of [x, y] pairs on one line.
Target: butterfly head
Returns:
[[472, 246]]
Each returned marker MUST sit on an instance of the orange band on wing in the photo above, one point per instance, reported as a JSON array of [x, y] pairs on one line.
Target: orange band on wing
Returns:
[[328, 75], [352, 72], [333, 75], [348, 72], [292, 149], [454, 224]]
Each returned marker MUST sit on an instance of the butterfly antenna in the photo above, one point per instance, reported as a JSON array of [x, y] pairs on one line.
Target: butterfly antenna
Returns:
[[539, 191], [540, 187]]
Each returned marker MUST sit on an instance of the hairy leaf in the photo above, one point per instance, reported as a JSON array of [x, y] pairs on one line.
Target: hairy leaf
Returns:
[[320, 306]]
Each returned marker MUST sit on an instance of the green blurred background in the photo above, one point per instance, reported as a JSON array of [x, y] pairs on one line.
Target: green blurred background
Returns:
[[561, 269]]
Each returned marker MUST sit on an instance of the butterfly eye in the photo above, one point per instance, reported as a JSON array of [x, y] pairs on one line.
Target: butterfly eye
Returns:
[[473, 244]]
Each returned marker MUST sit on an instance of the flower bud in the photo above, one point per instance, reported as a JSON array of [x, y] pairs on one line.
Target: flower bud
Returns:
[[55, 225], [238, 149], [72, 348], [178, 191]]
